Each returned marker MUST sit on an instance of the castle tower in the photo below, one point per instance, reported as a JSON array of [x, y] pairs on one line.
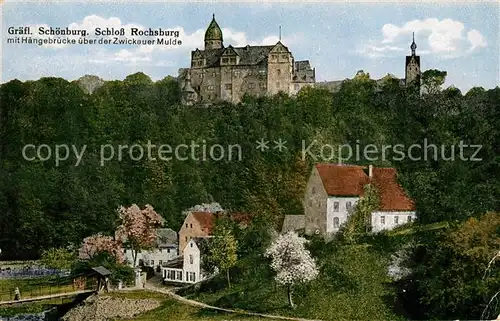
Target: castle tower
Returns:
[[213, 36], [189, 95], [412, 67]]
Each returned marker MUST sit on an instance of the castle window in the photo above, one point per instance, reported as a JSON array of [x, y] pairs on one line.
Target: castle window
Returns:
[[336, 222], [228, 86], [336, 206]]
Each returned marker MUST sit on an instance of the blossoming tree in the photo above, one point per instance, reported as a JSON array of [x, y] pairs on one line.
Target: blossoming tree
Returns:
[[138, 228], [97, 244], [291, 261]]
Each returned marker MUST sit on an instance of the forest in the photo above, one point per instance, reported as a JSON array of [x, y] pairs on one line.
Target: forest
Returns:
[[45, 204]]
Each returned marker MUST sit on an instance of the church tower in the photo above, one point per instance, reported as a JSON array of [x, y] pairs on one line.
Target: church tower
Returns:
[[213, 36], [412, 68]]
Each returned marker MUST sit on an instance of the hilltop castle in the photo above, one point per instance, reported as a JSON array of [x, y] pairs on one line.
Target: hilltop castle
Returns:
[[228, 73]]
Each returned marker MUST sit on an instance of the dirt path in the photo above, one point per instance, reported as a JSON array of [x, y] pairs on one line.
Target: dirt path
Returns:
[[153, 287]]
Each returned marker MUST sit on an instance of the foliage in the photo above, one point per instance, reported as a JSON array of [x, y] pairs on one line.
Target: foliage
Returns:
[[137, 228], [432, 80], [223, 248], [359, 221], [95, 245], [119, 271], [291, 261], [58, 258], [453, 276]]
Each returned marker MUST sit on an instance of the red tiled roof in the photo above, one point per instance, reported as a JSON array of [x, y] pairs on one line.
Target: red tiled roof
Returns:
[[342, 180], [392, 195], [206, 220], [348, 180]]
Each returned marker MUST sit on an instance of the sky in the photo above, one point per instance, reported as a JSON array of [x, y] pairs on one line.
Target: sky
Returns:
[[337, 38]]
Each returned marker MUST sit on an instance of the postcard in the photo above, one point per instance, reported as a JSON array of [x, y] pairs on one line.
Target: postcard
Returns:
[[168, 160]]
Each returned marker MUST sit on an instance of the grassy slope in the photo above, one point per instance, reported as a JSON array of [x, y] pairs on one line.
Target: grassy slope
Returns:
[[353, 284]]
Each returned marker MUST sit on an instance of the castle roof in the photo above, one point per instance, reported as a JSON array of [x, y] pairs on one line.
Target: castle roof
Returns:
[[213, 32], [349, 180], [249, 55]]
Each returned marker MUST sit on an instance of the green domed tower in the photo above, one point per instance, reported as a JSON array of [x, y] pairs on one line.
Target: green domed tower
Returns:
[[213, 36]]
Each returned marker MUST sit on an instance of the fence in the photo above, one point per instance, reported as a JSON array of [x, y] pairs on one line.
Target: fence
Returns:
[[29, 272], [36, 287]]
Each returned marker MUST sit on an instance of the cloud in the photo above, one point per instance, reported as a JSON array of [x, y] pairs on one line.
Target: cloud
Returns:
[[445, 38]]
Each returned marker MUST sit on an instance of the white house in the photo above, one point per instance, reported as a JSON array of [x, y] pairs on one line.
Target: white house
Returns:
[[187, 268], [333, 191], [165, 249]]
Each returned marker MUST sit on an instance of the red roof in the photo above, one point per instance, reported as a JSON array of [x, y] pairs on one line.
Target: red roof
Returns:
[[206, 220], [342, 180], [348, 180], [392, 195]]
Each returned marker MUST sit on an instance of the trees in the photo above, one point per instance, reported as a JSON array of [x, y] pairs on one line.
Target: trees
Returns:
[[97, 244], [137, 229], [455, 275], [432, 80], [223, 248], [359, 220], [58, 258], [291, 261]]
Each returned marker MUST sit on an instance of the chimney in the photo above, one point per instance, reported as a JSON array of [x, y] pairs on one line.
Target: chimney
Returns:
[[370, 171]]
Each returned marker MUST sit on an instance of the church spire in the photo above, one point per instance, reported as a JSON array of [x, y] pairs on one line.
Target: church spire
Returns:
[[413, 46]]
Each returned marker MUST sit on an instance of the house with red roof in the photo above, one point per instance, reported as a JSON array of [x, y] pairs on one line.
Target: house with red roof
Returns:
[[334, 189]]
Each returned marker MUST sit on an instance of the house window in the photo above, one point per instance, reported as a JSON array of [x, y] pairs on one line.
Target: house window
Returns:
[[171, 275], [237, 73], [191, 225], [228, 86], [187, 273], [214, 74], [210, 87], [190, 259], [251, 86], [296, 86], [191, 244], [274, 56], [284, 56], [192, 276], [262, 85], [278, 85], [179, 275], [186, 238], [152, 262], [335, 206], [279, 72], [186, 225], [160, 262], [164, 274], [396, 219], [313, 189], [348, 205], [225, 60], [408, 219], [232, 60], [336, 222], [168, 250], [382, 220]]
